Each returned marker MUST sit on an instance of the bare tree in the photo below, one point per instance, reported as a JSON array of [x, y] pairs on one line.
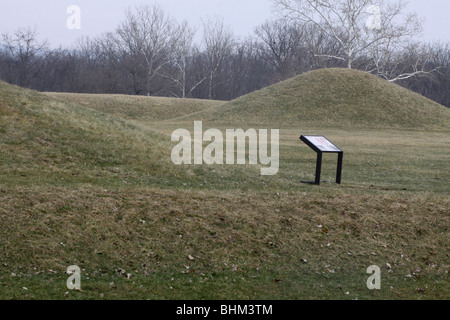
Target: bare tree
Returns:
[[219, 43], [146, 38], [25, 51], [180, 55], [282, 44], [436, 85], [181, 61], [413, 60], [350, 23]]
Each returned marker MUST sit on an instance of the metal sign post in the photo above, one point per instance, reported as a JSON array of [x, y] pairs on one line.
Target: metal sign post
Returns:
[[322, 145]]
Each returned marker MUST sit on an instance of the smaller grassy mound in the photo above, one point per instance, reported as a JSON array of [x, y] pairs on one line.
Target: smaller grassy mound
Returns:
[[138, 107], [338, 98], [46, 140]]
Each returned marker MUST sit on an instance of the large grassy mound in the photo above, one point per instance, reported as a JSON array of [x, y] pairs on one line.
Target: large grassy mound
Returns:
[[338, 98]]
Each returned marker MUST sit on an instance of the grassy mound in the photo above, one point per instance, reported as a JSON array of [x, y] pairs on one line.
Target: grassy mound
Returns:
[[47, 140], [338, 98], [146, 109]]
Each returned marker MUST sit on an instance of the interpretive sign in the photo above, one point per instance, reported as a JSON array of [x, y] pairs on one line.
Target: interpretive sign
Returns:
[[321, 145]]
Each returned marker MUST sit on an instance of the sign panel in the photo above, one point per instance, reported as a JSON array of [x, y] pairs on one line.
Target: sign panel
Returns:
[[322, 143]]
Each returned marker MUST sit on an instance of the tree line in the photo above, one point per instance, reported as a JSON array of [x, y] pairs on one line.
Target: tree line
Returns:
[[151, 54]]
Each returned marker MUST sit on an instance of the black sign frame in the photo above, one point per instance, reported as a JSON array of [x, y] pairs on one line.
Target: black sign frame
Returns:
[[327, 147]]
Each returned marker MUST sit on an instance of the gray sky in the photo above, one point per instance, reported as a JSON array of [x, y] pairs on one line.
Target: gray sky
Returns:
[[98, 16]]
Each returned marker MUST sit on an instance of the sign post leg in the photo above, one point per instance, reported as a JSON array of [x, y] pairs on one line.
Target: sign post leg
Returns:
[[318, 168], [339, 168]]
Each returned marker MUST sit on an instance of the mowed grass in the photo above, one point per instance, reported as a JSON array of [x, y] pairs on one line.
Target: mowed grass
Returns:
[[138, 108], [332, 98], [189, 244], [82, 184]]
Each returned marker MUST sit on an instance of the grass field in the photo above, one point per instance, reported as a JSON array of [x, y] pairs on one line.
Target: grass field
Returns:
[[88, 180]]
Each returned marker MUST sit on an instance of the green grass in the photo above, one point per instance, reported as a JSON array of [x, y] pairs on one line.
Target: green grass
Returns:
[[296, 238], [139, 108], [87, 180]]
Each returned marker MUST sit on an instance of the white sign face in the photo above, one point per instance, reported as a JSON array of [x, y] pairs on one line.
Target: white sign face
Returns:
[[323, 144]]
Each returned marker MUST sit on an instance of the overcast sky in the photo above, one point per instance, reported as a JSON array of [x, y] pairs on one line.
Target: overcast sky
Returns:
[[98, 16]]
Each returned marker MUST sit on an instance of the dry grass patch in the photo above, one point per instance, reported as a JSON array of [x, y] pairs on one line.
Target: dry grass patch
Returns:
[[106, 229]]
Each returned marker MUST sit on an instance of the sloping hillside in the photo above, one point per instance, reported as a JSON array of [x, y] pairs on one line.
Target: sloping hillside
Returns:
[[49, 140], [142, 108], [338, 98]]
